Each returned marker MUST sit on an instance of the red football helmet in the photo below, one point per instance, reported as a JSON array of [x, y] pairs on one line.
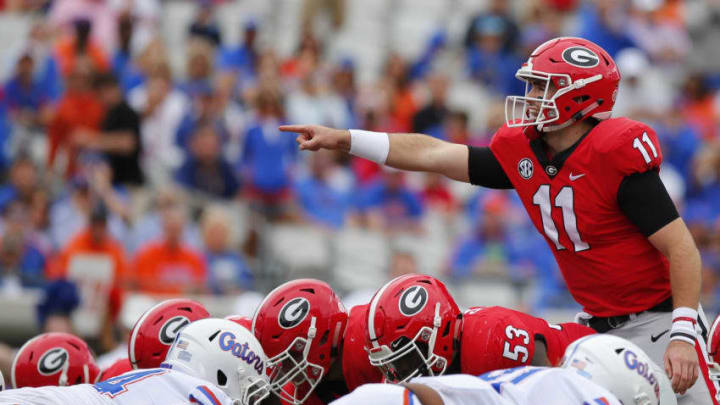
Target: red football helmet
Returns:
[[58, 359], [155, 331], [299, 325], [413, 326], [713, 348], [244, 321], [584, 77]]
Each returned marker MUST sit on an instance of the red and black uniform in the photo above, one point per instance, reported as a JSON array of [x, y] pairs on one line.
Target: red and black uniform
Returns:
[[496, 338], [590, 203]]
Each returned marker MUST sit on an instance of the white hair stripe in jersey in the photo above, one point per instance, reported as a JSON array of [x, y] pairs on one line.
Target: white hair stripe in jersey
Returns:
[[262, 303], [17, 356], [133, 337], [373, 308]]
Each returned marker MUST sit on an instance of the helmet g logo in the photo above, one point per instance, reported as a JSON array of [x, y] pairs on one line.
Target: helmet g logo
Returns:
[[413, 300], [171, 328], [294, 312], [53, 361], [581, 57]]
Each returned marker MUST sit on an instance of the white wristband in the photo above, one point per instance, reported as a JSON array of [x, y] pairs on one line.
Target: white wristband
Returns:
[[683, 325], [370, 145]]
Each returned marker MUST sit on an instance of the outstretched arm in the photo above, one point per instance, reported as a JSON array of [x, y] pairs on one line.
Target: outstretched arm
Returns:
[[414, 152]]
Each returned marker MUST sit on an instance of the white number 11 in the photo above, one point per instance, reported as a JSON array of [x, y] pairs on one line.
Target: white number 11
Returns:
[[639, 146]]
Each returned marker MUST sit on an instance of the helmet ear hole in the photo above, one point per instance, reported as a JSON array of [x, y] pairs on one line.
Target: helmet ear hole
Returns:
[[221, 378]]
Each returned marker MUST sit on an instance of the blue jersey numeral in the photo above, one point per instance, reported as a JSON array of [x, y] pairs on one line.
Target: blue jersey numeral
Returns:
[[115, 386]]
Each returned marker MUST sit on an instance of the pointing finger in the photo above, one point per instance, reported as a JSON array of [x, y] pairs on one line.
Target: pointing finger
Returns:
[[294, 128]]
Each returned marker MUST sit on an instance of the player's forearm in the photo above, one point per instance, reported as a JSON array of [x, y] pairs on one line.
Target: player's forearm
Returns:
[[424, 153], [685, 274]]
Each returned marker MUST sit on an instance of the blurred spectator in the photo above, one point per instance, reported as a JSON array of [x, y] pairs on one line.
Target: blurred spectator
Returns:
[[80, 48], [40, 44], [664, 40], [310, 103], [643, 94], [390, 205], [325, 193], [430, 118], [205, 169], [228, 273], [22, 265], [679, 142], [604, 22], [77, 119], [168, 266], [22, 184], [68, 215], [500, 10], [397, 84], [120, 136], [198, 66], [703, 24], [60, 299], [94, 240], [122, 64], [149, 227], [161, 108], [204, 25], [489, 63], [241, 59], [436, 194], [28, 100], [268, 156], [699, 106], [402, 263]]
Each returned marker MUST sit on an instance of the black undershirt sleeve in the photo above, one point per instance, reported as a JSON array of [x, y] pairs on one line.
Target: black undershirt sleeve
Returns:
[[485, 170], [646, 202]]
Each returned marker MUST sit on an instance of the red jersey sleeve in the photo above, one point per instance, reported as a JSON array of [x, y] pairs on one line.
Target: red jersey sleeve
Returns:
[[634, 149], [495, 338]]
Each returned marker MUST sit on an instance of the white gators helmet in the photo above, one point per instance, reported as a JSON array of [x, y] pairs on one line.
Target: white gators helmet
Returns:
[[224, 353], [618, 365]]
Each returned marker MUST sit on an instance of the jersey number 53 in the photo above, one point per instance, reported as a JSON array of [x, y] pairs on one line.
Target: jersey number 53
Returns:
[[519, 349]]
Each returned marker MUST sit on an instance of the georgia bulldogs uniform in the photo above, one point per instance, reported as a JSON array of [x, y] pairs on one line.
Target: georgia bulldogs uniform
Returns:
[[610, 268], [306, 330], [496, 338]]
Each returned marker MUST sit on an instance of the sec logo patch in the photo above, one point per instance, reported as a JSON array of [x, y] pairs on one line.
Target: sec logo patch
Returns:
[[525, 168]]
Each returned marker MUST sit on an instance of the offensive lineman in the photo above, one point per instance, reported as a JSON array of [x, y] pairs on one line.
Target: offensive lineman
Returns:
[[597, 370], [415, 328], [211, 362], [591, 186]]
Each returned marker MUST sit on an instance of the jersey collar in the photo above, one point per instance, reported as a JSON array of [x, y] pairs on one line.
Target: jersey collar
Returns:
[[552, 166]]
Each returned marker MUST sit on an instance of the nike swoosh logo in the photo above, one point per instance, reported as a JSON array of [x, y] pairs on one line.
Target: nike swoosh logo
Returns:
[[573, 177], [654, 338]]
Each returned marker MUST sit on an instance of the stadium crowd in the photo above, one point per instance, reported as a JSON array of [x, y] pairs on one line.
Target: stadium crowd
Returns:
[[169, 176]]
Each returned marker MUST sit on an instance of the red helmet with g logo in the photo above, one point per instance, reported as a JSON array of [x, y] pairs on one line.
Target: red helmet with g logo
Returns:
[[585, 82], [58, 359], [155, 331], [300, 325], [413, 326]]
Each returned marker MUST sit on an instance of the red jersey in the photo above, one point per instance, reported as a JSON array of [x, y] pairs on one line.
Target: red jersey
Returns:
[[120, 366], [610, 267], [496, 338]]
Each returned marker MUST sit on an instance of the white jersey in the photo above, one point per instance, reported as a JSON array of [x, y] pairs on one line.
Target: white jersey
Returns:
[[155, 386], [517, 386], [547, 385]]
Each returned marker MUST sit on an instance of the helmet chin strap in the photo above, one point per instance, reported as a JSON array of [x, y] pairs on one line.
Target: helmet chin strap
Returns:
[[437, 322], [312, 330], [63, 381]]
